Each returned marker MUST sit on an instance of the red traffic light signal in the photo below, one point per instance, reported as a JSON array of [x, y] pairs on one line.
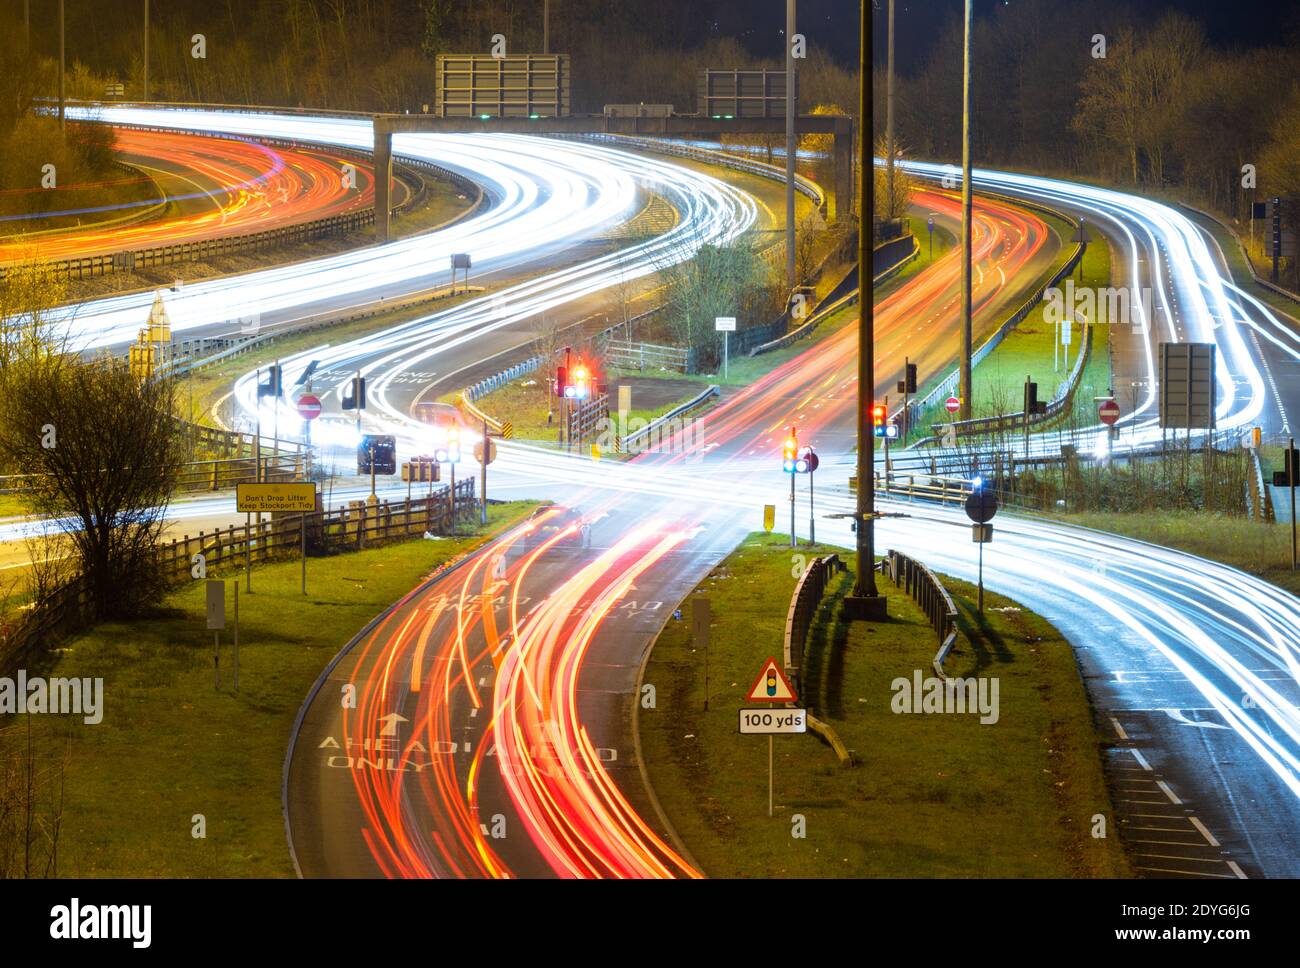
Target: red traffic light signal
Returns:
[[561, 380], [878, 419]]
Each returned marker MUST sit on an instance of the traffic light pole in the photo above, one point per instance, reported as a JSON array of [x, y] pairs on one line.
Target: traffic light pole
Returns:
[[1290, 479], [965, 390], [812, 513], [865, 601], [793, 542]]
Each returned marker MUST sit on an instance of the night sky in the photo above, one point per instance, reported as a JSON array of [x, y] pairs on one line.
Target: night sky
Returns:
[[833, 24]]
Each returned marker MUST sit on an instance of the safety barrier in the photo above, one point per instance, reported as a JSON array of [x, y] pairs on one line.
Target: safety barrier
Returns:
[[808, 592], [497, 380], [628, 444], [928, 592]]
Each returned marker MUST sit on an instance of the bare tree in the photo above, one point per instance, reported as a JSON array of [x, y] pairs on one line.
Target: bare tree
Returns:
[[104, 452]]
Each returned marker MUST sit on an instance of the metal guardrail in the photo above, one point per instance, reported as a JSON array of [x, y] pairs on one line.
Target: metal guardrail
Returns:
[[346, 528], [1259, 499], [928, 592], [653, 426], [927, 487], [1059, 403], [497, 380], [808, 592]]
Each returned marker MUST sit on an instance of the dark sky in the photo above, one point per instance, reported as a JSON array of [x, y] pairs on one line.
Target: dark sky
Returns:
[[833, 24]]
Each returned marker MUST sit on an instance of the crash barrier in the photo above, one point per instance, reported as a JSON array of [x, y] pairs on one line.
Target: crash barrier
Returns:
[[928, 592]]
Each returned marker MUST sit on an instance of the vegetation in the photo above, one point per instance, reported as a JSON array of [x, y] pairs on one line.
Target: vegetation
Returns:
[[117, 798], [927, 796]]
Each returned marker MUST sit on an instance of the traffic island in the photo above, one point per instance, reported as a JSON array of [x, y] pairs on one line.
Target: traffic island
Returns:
[[1009, 786]]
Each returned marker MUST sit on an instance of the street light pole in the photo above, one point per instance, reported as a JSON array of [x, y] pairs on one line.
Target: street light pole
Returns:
[[146, 49], [889, 118], [61, 82], [865, 601], [964, 391], [791, 105]]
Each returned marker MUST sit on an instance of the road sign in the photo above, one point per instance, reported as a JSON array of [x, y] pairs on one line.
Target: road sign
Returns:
[[275, 498], [725, 324], [769, 517], [771, 685], [773, 721], [308, 406], [216, 590], [491, 451], [981, 533], [1187, 385], [1108, 412], [981, 506], [952, 404]]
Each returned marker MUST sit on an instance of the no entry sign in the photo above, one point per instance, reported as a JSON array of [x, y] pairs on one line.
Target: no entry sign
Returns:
[[308, 406], [952, 404], [1108, 412]]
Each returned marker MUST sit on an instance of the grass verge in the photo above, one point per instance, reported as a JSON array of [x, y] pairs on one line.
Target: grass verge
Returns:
[[171, 746], [929, 795]]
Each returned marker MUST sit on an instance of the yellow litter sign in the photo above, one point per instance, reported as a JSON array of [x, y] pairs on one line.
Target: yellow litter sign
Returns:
[[273, 498], [769, 517]]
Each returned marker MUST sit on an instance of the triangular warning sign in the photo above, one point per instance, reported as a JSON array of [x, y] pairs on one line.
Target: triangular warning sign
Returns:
[[771, 685]]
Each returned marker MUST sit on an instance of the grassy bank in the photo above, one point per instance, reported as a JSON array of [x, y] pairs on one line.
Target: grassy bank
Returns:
[[170, 746], [929, 795]]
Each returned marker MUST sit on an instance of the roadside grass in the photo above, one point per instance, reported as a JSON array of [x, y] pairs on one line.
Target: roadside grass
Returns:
[[928, 795], [1239, 269], [171, 746], [1258, 549]]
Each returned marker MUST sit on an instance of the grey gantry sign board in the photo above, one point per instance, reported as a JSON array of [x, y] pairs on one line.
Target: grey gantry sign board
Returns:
[[1187, 387], [514, 86], [743, 93]]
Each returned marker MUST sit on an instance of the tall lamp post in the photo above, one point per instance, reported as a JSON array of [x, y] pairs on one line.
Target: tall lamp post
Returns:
[[865, 602], [964, 390]]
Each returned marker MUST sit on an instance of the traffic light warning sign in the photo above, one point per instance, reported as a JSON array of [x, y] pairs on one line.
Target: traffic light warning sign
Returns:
[[771, 685]]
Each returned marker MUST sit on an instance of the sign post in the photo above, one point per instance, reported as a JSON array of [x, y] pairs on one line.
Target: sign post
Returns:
[[772, 686], [278, 498], [981, 506], [485, 452], [726, 325], [216, 615]]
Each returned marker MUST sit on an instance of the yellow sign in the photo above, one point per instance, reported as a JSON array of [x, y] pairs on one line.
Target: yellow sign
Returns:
[[595, 452], [273, 498], [769, 517]]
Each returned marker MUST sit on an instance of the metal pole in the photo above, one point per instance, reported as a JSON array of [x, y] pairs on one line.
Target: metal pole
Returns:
[[482, 518], [303, 523], [374, 498], [964, 391], [865, 600], [27, 22], [248, 553], [546, 26], [812, 514], [889, 117], [61, 58], [146, 49], [770, 784], [791, 106], [236, 635], [453, 499], [793, 542], [980, 597], [726, 352], [1290, 479], [216, 638]]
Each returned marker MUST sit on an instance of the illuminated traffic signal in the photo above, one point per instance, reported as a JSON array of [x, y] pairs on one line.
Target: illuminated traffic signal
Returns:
[[354, 394], [561, 380], [574, 384], [790, 454], [450, 453], [878, 419]]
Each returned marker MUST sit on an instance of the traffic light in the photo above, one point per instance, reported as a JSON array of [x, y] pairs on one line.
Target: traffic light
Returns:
[[273, 386], [377, 453], [790, 453], [354, 394], [561, 380], [1032, 403], [878, 419], [581, 382], [911, 378], [450, 452]]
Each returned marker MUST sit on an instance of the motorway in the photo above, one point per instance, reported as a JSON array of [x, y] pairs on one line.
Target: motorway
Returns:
[[214, 187], [1193, 664]]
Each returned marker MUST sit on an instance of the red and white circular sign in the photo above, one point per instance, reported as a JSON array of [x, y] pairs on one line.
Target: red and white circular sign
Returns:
[[308, 406], [1108, 412], [953, 404]]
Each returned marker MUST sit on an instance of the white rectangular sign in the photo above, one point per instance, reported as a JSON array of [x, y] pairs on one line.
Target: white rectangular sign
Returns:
[[1065, 332], [725, 324], [777, 720]]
